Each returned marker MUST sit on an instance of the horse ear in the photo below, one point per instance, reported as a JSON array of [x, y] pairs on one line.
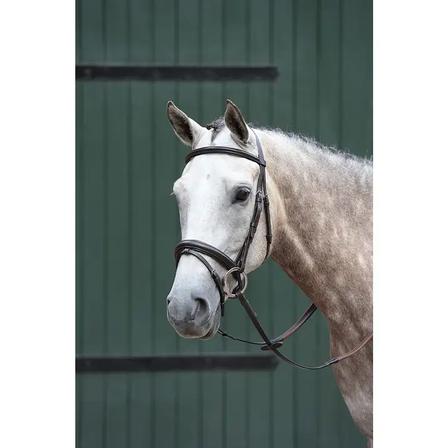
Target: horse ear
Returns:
[[235, 122], [184, 127]]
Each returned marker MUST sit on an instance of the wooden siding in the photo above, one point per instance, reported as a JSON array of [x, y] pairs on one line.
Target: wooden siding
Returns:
[[127, 225]]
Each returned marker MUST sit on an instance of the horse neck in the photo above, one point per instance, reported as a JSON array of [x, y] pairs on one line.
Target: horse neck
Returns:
[[322, 205]]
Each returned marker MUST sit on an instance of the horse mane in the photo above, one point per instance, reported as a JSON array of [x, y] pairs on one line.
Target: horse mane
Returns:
[[312, 145], [330, 156]]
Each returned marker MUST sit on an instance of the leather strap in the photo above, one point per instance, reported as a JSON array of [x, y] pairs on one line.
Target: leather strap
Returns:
[[223, 150], [277, 341], [267, 211], [206, 249], [213, 274], [273, 348]]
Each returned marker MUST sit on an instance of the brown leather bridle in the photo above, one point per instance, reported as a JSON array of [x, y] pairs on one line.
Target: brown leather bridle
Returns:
[[236, 268]]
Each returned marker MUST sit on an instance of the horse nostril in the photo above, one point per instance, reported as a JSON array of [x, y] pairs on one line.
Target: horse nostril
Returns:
[[184, 311], [201, 308]]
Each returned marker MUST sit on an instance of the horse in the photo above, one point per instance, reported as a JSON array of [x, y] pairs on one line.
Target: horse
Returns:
[[321, 225]]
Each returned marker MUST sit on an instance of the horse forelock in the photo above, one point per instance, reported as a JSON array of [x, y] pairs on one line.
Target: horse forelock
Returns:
[[216, 126]]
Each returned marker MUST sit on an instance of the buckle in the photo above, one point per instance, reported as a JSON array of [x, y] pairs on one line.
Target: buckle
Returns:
[[225, 283]]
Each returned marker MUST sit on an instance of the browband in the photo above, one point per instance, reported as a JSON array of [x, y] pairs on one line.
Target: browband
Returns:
[[224, 150]]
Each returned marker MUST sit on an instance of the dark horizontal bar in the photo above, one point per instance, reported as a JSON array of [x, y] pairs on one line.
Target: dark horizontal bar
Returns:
[[175, 363], [174, 73]]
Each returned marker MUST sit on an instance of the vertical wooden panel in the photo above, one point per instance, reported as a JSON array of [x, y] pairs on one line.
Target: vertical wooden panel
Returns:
[[329, 72], [141, 22], [116, 411], [116, 31], [119, 202], [212, 32], [90, 32], [357, 76], [78, 19], [80, 196], [91, 427], [118, 219], [165, 32], [92, 221], [141, 261], [80, 250], [140, 414], [142, 215]]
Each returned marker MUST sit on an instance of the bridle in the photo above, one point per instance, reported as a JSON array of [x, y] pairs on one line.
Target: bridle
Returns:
[[236, 268]]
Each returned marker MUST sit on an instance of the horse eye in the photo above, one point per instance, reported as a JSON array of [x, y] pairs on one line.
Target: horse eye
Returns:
[[242, 194]]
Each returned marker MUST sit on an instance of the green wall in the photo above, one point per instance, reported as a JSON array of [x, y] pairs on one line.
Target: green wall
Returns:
[[127, 224]]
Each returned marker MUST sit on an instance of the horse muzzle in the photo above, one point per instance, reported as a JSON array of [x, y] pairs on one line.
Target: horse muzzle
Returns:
[[192, 318]]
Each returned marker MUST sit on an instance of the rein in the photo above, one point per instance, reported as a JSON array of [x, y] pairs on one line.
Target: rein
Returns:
[[236, 268]]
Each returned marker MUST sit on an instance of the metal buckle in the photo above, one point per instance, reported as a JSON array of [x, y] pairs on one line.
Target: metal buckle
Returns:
[[226, 287]]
